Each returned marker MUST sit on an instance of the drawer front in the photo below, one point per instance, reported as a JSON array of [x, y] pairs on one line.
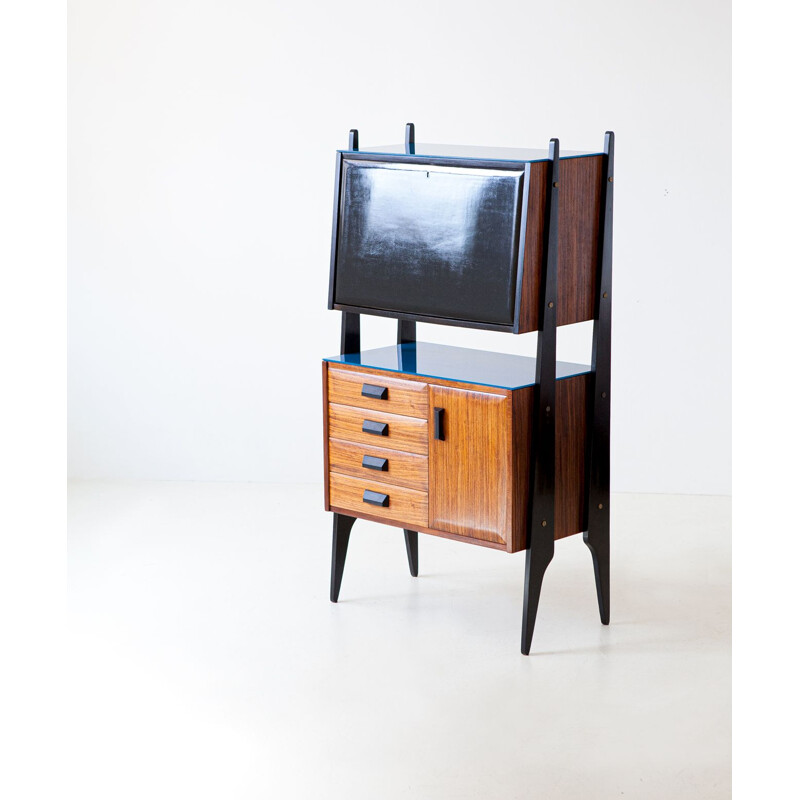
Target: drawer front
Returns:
[[379, 464], [400, 504], [378, 429], [377, 393]]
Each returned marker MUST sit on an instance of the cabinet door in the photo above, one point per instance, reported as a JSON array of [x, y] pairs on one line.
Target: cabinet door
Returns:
[[469, 492]]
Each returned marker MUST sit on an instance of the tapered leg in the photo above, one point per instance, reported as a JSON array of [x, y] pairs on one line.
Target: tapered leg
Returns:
[[536, 562], [412, 550], [598, 542], [342, 525]]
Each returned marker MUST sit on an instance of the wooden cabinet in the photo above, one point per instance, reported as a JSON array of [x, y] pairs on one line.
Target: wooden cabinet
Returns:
[[503, 451], [433, 454]]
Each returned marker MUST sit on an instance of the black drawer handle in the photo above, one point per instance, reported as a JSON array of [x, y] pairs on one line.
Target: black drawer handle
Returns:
[[376, 498], [373, 462], [438, 424], [376, 392], [378, 428]]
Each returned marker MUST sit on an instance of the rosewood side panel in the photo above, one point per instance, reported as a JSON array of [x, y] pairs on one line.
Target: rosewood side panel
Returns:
[[579, 206]]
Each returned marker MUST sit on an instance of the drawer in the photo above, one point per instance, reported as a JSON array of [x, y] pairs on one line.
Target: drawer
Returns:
[[379, 464], [378, 393], [390, 430], [403, 505]]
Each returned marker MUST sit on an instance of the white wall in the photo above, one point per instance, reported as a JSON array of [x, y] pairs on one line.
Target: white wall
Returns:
[[202, 139]]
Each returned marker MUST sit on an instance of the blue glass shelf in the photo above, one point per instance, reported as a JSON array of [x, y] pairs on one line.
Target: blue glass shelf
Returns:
[[469, 152], [480, 367]]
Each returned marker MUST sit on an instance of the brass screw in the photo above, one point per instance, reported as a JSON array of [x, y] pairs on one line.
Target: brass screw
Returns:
[[544, 523], [550, 304], [555, 183], [600, 506], [605, 294], [611, 179], [602, 394]]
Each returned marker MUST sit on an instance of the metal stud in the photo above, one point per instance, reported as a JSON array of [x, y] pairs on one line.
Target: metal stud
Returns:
[[544, 523]]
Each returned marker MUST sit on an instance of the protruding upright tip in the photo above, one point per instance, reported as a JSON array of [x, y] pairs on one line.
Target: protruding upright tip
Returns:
[[410, 138], [353, 139], [554, 149], [609, 142]]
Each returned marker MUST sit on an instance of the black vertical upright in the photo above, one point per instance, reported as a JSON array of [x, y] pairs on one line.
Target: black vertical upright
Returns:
[[407, 328], [350, 343], [407, 334], [406, 331], [351, 333], [411, 144], [541, 492], [351, 322], [596, 536]]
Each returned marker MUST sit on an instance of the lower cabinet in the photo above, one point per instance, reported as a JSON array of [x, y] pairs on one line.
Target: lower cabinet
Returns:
[[445, 458]]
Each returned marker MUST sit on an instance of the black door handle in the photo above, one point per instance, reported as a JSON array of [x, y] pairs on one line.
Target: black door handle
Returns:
[[376, 498], [438, 424], [378, 428], [373, 462], [376, 392]]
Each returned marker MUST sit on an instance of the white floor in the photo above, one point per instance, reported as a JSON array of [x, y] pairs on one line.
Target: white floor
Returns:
[[207, 660]]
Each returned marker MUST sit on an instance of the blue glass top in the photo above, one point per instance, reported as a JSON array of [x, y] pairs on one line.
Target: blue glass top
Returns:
[[469, 152], [456, 364]]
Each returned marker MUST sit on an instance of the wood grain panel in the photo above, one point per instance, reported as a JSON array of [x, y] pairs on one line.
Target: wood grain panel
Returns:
[[409, 398], [571, 421], [402, 469], [578, 237], [325, 436], [522, 400], [404, 433], [533, 253], [469, 472], [571, 426], [405, 505], [580, 188]]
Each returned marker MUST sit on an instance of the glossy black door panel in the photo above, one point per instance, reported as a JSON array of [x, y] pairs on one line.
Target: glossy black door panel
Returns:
[[429, 240]]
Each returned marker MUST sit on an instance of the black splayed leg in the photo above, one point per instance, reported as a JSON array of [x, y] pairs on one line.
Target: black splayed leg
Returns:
[[412, 550], [597, 541], [536, 562], [342, 525]]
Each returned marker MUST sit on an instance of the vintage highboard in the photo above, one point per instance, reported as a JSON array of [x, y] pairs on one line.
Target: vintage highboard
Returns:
[[504, 451]]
